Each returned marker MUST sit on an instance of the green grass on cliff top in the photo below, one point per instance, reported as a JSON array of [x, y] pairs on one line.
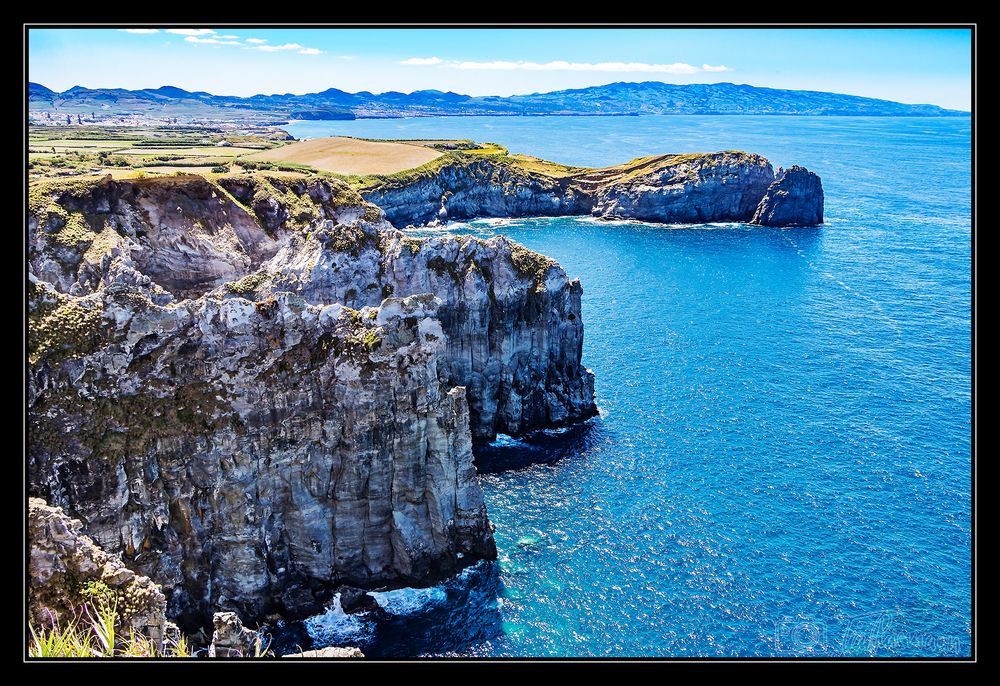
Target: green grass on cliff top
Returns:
[[537, 166], [85, 151]]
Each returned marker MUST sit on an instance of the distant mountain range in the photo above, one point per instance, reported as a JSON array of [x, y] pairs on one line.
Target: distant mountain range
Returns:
[[618, 99]]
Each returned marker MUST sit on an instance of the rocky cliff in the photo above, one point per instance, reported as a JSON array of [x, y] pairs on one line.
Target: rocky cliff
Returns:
[[695, 188], [685, 189], [794, 198], [466, 186], [254, 390]]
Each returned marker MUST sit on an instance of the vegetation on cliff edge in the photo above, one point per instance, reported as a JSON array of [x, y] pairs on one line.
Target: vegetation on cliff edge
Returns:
[[98, 631]]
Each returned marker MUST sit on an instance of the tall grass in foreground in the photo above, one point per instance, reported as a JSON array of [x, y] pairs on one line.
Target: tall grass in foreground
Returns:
[[96, 633]]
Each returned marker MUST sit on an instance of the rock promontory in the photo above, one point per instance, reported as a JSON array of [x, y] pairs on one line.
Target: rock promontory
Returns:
[[726, 186], [254, 390]]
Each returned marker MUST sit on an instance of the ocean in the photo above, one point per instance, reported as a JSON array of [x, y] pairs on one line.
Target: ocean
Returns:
[[782, 462]]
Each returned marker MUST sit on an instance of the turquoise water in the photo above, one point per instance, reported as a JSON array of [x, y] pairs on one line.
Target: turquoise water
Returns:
[[782, 461]]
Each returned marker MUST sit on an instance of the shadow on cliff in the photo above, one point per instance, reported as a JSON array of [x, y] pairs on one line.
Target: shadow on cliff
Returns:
[[545, 447]]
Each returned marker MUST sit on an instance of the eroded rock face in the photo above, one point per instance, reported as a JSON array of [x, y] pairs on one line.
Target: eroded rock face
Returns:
[[61, 562], [248, 454], [192, 236], [307, 425], [795, 198], [690, 188], [511, 317], [481, 188], [686, 189], [514, 334]]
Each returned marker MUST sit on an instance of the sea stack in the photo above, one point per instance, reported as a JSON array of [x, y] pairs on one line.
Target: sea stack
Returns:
[[794, 198]]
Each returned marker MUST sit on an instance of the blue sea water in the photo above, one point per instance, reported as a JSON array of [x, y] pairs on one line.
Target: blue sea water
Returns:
[[782, 461]]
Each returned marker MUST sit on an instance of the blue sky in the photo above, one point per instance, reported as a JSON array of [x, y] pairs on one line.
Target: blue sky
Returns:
[[907, 65]]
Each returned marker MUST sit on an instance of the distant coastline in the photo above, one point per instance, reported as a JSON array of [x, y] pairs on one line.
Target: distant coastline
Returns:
[[172, 105]]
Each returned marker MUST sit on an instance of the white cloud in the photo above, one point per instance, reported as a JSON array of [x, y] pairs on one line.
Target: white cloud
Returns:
[[276, 48], [561, 65], [211, 41], [191, 32], [301, 49], [140, 30], [494, 65], [422, 61], [210, 37]]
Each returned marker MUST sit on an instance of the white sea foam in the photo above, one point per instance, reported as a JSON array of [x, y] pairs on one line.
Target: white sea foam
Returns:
[[606, 222], [493, 221], [470, 570], [505, 441], [335, 626], [406, 601]]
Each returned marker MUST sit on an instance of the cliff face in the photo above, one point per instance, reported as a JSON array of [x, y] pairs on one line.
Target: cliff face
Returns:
[[182, 234], [795, 198], [511, 317], [722, 186], [471, 188], [244, 453], [518, 350], [682, 189], [307, 424]]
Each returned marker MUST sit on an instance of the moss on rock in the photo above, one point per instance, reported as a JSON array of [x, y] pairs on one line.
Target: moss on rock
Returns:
[[249, 284], [70, 330], [413, 244], [103, 243], [530, 264], [347, 238]]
